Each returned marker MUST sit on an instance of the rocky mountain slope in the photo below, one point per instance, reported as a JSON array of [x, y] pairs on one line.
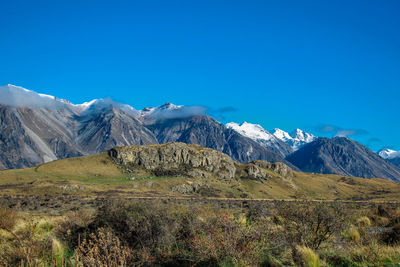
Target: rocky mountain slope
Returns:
[[37, 128], [341, 155]]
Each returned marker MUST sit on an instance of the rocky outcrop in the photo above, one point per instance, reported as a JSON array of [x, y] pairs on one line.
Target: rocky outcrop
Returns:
[[256, 173], [190, 187], [277, 167], [176, 159]]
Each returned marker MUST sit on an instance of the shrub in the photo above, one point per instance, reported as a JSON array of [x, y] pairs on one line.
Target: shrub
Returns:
[[311, 225], [151, 225], [228, 240], [363, 222], [8, 218], [102, 249], [306, 257], [353, 234], [28, 245]]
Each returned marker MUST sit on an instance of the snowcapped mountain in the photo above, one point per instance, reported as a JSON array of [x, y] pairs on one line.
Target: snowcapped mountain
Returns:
[[387, 153], [16, 96], [19, 97], [295, 139], [169, 111], [37, 128], [261, 136], [391, 155]]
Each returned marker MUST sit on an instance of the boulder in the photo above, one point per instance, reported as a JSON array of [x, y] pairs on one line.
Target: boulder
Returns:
[[277, 167]]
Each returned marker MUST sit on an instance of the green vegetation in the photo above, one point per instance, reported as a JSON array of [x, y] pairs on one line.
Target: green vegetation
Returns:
[[153, 233]]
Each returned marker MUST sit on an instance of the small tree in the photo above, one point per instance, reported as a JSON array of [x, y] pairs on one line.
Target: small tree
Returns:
[[311, 225]]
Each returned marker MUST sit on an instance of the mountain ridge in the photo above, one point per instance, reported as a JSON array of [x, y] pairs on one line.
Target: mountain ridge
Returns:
[[341, 155], [55, 129]]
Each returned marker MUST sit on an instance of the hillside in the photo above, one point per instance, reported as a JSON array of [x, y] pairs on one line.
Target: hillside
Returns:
[[177, 169]]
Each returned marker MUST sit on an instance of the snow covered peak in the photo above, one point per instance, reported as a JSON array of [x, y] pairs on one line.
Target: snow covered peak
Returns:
[[253, 131], [16, 96], [303, 136], [148, 111], [169, 106], [100, 104], [282, 135], [171, 111], [295, 139], [387, 153], [257, 133]]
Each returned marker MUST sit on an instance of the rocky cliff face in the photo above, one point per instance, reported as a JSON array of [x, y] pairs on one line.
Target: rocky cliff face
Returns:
[[176, 159], [341, 155], [31, 137], [108, 127], [180, 159]]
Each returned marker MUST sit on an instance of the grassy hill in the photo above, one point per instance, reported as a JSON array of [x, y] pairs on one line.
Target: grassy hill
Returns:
[[99, 175]]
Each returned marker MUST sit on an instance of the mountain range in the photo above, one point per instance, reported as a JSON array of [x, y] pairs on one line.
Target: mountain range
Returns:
[[37, 128]]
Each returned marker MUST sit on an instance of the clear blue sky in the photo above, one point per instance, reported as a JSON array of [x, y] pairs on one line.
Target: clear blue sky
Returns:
[[283, 64]]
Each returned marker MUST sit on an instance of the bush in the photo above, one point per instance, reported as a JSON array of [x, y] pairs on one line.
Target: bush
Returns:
[[363, 222], [306, 257], [151, 225], [229, 239], [353, 235], [102, 249], [8, 218], [311, 225]]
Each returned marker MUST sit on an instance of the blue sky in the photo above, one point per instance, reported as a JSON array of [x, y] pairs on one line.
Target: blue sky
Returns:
[[285, 64]]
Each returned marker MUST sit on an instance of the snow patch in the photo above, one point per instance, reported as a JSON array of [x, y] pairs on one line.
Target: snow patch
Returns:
[[387, 153], [295, 139]]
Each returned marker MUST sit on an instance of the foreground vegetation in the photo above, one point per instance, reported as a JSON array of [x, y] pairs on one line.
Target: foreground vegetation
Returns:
[[153, 233]]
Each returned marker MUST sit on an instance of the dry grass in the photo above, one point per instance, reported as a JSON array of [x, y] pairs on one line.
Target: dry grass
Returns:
[[90, 175]]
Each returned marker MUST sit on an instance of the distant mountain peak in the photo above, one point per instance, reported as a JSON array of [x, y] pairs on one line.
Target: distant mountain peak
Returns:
[[169, 106], [257, 133], [17, 96], [170, 111], [296, 139], [387, 153], [343, 156], [253, 131]]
